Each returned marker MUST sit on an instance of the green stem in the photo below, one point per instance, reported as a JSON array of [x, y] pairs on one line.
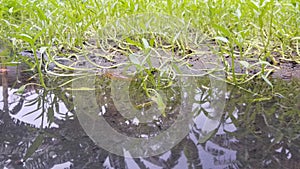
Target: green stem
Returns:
[[39, 67]]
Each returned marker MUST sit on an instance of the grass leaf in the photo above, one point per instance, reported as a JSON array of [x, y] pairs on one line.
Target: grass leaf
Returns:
[[145, 43], [134, 59], [21, 89], [267, 80]]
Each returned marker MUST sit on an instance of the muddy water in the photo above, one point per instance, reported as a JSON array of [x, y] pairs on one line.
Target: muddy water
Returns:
[[40, 128]]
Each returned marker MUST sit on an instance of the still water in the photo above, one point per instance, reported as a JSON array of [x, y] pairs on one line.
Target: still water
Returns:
[[259, 127]]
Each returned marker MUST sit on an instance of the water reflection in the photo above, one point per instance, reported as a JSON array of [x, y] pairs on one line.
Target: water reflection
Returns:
[[32, 105], [40, 128]]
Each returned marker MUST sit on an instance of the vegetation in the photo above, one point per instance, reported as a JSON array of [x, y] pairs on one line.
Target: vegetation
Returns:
[[265, 31], [253, 36]]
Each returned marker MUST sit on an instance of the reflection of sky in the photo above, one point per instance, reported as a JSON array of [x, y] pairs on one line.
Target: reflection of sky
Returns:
[[32, 119], [63, 165], [219, 161], [208, 160], [207, 125], [211, 154]]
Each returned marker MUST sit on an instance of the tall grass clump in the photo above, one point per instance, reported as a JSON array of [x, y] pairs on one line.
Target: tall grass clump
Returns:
[[252, 33]]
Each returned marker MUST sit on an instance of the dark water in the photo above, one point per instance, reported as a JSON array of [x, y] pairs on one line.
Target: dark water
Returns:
[[258, 128]]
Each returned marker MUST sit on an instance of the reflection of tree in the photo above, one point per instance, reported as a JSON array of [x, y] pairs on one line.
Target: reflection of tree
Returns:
[[267, 136], [16, 137], [268, 128], [189, 149], [186, 148], [67, 143]]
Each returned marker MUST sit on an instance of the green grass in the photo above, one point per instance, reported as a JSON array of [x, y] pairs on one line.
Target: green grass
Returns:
[[241, 28]]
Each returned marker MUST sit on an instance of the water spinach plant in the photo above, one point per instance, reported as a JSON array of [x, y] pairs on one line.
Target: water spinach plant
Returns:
[[253, 35]]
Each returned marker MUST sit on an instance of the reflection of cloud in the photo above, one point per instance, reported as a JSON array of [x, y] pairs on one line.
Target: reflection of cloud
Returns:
[[213, 155], [208, 124], [13, 98], [65, 165], [223, 158], [38, 117]]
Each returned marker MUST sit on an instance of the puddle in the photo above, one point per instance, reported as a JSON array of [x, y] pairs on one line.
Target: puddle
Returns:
[[41, 128]]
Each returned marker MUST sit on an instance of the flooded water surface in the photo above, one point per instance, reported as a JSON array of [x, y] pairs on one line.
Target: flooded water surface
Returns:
[[44, 128]]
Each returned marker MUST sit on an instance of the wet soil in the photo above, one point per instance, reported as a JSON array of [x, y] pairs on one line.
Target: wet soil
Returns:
[[284, 69], [288, 70], [108, 58]]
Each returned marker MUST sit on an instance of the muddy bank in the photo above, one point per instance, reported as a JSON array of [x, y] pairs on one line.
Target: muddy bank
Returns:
[[115, 57], [283, 69], [288, 70]]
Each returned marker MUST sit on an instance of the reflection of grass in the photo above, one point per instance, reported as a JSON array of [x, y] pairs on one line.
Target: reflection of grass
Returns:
[[265, 30], [146, 88], [152, 86], [268, 125], [279, 112]]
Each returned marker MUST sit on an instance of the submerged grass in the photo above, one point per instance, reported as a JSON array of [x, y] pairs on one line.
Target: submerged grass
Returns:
[[266, 30]]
